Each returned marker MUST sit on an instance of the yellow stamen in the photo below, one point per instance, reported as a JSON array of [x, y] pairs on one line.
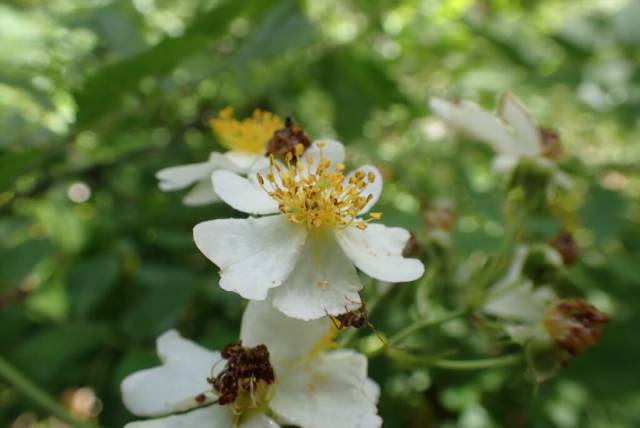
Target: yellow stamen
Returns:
[[320, 198], [249, 135]]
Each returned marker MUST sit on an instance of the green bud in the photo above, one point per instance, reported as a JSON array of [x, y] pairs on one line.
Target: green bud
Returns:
[[530, 183], [542, 264]]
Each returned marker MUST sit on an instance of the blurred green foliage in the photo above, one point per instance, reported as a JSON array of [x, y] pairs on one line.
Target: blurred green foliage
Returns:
[[103, 93]]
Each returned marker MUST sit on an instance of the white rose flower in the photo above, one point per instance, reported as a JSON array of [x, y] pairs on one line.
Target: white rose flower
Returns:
[[303, 259], [297, 382], [513, 135], [246, 141]]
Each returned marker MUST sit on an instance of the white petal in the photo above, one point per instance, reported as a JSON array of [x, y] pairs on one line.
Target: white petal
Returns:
[[288, 339], [256, 420], [332, 388], [527, 133], [201, 194], [179, 177], [372, 390], [323, 281], [476, 122], [377, 251], [241, 161], [254, 255], [241, 194], [213, 416], [173, 386], [563, 180], [504, 163], [520, 302], [329, 149]]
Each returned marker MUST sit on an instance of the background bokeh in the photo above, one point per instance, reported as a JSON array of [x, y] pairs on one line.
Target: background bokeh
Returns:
[[97, 95]]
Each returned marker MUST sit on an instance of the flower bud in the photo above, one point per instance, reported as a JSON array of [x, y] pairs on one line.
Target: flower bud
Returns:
[[567, 246], [530, 182], [412, 248], [541, 264], [574, 325]]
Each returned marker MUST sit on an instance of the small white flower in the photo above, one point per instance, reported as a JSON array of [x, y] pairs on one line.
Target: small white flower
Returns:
[[246, 141], [313, 387], [513, 135], [303, 259]]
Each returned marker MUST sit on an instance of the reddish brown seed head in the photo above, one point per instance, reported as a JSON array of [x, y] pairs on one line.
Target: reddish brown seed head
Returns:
[[574, 324], [567, 246]]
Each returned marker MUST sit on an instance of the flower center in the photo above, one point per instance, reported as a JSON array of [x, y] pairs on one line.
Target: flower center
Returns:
[[249, 135], [244, 382], [319, 197]]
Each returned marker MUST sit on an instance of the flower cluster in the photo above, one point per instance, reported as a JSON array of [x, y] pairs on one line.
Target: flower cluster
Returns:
[[296, 259]]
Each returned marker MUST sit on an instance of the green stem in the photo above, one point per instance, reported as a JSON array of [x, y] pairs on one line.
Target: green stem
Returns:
[[37, 395], [478, 288], [423, 323], [443, 363], [487, 363]]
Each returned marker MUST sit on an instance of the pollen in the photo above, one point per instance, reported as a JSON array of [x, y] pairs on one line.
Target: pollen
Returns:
[[312, 193], [249, 135]]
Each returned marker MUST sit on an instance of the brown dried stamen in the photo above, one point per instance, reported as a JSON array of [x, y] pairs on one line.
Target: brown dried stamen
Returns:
[[551, 147], [574, 324], [285, 140], [567, 246], [244, 381]]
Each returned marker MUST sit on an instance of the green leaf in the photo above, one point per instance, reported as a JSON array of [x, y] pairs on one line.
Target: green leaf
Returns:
[[358, 85], [90, 280], [58, 347], [167, 292], [12, 164], [285, 28], [18, 262], [102, 92], [603, 212]]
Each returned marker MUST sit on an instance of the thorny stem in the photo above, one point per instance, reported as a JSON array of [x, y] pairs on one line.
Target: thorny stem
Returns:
[[39, 396]]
